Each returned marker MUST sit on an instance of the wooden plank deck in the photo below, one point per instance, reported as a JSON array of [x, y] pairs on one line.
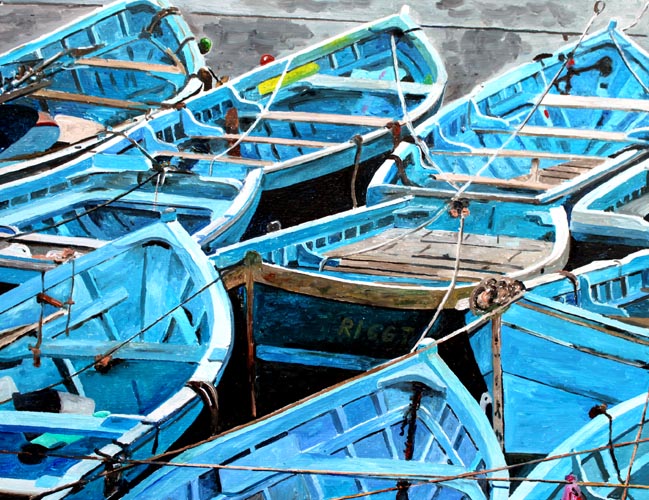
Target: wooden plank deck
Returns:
[[432, 254]]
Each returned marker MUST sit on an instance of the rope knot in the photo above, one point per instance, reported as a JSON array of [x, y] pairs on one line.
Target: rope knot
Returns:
[[459, 207]]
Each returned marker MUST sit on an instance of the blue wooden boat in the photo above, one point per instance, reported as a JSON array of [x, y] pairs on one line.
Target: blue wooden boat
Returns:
[[407, 429], [541, 133], [364, 284], [105, 196], [317, 121], [104, 350], [604, 471], [573, 341], [98, 73], [616, 211]]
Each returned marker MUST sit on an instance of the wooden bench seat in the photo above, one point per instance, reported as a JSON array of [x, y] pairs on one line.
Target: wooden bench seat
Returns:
[[131, 65], [279, 141], [432, 254], [214, 157], [329, 118], [560, 133], [595, 102], [57, 95], [364, 84], [491, 181], [518, 153]]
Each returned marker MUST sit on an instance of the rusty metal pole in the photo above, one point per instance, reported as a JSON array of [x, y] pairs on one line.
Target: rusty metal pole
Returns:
[[498, 392], [251, 262]]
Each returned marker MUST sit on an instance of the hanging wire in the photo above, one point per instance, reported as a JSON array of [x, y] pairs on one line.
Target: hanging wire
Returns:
[[423, 147], [451, 286], [639, 16], [478, 475]]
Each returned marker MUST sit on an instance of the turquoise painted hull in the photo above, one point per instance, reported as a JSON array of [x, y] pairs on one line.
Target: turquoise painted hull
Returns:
[[544, 132], [562, 355], [629, 425], [94, 358], [356, 433], [615, 211], [105, 196], [368, 282], [95, 73], [335, 106]]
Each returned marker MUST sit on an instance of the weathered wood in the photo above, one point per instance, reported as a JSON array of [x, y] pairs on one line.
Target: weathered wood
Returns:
[[234, 277], [631, 320], [490, 181], [441, 268], [471, 258], [10, 335], [215, 157], [518, 153], [280, 141], [252, 263], [56, 95], [574, 133], [27, 264], [73, 129], [595, 102], [399, 241], [80, 349], [365, 84], [329, 118], [131, 65], [376, 294], [497, 383]]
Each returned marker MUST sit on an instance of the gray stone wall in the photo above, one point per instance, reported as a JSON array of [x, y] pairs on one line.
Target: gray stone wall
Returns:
[[477, 39]]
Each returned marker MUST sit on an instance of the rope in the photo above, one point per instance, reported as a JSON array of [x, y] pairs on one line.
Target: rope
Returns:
[[451, 287], [156, 461], [358, 140], [635, 448], [36, 349], [423, 147], [637, 17], [259, 116], [601, 410], [599, 7], [70, 301]]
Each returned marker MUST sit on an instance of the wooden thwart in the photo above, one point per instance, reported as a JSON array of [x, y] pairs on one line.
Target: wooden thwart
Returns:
[[365, 84], [329, 118], [279, 141], [215, 157], [506, 183], [132, 65], [595, 102], [519, 153], [56, 95], [574, 133]]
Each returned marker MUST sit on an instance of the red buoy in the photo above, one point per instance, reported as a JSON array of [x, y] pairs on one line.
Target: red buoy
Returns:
[[265, 59]]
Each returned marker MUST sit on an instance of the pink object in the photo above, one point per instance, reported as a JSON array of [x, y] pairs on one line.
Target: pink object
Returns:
[[572, 491]]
